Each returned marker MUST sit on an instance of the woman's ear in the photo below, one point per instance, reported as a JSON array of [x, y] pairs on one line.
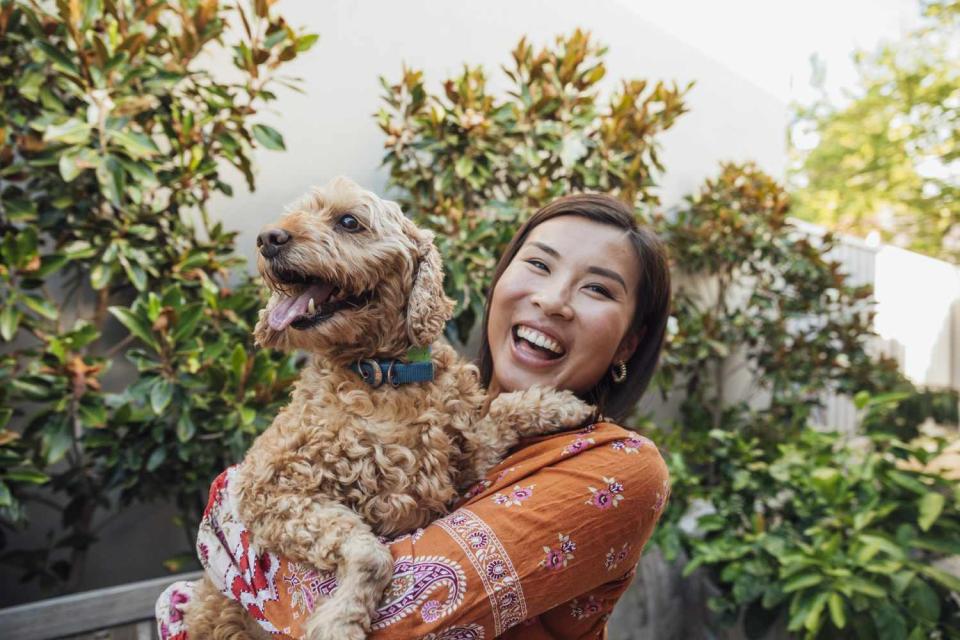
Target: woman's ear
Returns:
[[428, 309], [628, 345]]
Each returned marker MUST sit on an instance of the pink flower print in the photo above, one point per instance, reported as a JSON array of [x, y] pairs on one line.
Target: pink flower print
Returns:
[[661, 497], [559, 556], [587, 429], [614, 557], [633, 444], [581, 610], [477, 489], [606, 497], [503, 474], [515, 497], [578, 445]]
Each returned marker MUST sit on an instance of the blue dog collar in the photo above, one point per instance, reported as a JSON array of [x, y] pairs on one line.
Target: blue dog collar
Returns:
[[375, 372]]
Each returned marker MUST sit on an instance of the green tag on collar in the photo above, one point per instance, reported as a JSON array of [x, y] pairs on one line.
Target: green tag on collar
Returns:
[[418, 354]]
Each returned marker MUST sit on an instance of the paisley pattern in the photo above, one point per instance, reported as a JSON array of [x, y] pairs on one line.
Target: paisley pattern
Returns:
[[516, 560], [490, 559]]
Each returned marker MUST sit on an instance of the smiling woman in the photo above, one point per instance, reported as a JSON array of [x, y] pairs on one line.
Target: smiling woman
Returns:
[[581, 287]]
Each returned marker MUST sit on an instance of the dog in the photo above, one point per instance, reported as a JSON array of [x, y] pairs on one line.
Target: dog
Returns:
[[358, 452]]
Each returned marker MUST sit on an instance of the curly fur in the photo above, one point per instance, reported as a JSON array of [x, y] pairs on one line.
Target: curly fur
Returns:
[[345, 462]]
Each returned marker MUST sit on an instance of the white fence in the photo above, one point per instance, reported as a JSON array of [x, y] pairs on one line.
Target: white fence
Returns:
[[917, 314]]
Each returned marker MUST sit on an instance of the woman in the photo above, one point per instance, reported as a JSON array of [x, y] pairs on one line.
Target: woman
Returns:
[[545, 545]]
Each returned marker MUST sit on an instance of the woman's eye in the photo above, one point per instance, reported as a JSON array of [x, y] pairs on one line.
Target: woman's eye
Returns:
[[536, 263], [349, 222], [601, 290]]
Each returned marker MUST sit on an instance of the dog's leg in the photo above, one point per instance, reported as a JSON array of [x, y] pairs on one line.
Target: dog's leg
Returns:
[[327, 536], [211, 615], [531, 412]]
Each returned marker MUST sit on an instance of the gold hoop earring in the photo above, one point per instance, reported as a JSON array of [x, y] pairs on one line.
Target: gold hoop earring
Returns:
[[619, 372]]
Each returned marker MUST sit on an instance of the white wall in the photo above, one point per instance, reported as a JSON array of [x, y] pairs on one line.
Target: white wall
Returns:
[[331, 130]]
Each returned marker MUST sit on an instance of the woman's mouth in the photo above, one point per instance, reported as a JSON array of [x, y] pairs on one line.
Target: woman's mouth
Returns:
[[535, 344]]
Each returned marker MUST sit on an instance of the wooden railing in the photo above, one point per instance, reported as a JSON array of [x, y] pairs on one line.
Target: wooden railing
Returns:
[[124, 612]]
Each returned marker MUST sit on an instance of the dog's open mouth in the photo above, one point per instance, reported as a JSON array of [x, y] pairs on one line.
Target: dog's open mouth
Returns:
[[307, 301]]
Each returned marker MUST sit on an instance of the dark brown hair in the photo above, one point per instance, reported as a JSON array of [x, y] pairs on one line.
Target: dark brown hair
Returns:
[[653, 297]]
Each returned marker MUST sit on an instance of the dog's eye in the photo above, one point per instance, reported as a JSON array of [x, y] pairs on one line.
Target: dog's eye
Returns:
[[349, 222]]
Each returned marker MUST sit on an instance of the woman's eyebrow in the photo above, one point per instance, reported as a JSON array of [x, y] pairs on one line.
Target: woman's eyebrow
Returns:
[[546, 249], [613, 275]]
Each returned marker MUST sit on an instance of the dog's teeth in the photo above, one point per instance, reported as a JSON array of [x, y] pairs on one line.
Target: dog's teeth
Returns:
[[311, 307]]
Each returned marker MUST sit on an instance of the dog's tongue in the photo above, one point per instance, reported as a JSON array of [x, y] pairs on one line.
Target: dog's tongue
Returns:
[[289, 308]]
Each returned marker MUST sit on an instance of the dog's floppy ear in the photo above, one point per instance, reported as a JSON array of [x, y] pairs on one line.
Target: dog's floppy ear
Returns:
[[428, 309]]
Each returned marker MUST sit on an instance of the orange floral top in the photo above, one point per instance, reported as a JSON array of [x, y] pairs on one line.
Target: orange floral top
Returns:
[[543, 547]]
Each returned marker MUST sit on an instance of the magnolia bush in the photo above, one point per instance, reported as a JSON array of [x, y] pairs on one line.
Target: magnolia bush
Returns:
[[113, 139], [471, 165]]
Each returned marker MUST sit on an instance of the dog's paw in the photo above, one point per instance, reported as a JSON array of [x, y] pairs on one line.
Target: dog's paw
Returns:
[[331, 630], [540, 410]]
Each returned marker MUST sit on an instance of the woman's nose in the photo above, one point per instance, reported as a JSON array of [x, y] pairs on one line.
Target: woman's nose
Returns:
[[553, 301]]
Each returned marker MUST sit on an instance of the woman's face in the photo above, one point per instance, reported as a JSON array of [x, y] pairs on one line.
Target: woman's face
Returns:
[[561, 311]]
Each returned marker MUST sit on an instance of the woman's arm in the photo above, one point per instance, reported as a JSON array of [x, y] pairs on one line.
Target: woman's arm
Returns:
[[556, 529]]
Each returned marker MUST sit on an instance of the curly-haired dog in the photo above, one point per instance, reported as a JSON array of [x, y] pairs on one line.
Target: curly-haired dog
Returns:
[[355, 282]]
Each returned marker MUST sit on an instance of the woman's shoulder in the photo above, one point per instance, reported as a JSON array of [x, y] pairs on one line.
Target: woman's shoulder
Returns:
[[601, 447]]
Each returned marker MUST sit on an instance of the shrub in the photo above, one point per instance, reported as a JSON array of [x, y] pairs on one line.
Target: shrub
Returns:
[[834, 535], [472, 166], [113, 138]]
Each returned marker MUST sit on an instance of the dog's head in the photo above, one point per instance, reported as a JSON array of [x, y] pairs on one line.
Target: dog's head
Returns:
[[350, 277]]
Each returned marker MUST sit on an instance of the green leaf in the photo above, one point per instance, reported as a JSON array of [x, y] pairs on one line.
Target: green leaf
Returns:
[[44, 308], [187, 318], [31, 476], [931, 504], [138, 145], [6, 498], [69, 132], [185, 427], [890, 624], [837, 613], [100, 276], [238, 361], [304, 42], [160, 395], [948, 580], [112, 179], [59, 59], [9, 320], [156, 459], [923, 601], [268, 137], [135, 325], [802, 581]]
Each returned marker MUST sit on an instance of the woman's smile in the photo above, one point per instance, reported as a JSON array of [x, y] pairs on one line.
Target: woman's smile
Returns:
[[562, 310]]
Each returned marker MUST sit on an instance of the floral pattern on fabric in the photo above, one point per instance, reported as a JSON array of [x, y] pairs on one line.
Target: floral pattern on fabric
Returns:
[[615, 557], [559, 556], [633, 444], [169, 610], [515, 497], [581, 610], [608, 496], [579, 444], [490, 559], [470, 632]]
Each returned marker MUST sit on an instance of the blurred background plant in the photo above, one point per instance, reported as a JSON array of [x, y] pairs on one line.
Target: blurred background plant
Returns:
[[472, 166], [796, 523], [887, 159], [113, 138]]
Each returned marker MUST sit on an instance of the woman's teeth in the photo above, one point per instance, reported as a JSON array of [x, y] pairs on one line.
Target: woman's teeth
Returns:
[[535, 337]]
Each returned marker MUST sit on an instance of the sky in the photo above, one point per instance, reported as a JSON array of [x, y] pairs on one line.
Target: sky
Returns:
[[770, 42]]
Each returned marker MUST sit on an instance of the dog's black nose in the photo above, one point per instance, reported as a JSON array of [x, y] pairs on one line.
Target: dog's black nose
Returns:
[[271, 240]]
